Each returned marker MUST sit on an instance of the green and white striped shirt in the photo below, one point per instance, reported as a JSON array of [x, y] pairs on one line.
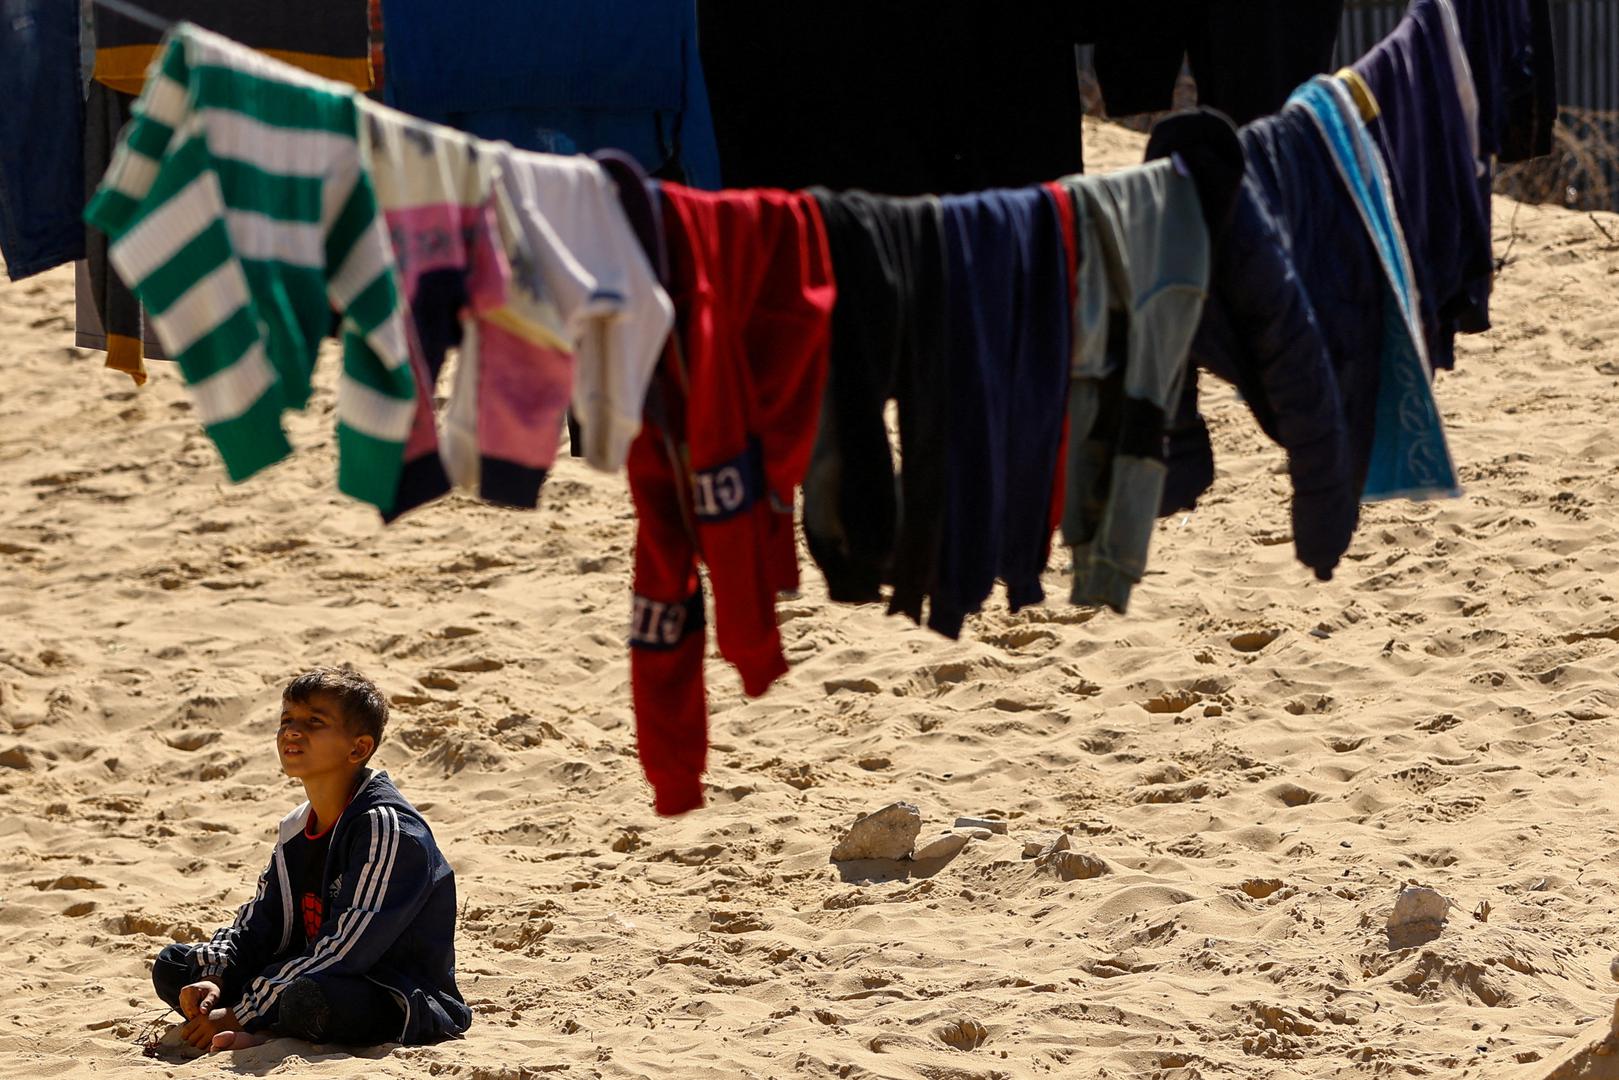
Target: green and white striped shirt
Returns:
[[241, 216]]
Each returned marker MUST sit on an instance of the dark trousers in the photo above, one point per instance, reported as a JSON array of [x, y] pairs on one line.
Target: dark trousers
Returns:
[[318, 1008], [41, 135]]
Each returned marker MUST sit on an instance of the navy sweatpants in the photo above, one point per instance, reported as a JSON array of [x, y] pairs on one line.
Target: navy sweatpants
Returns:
[[41, 136], [354, 1012], [1008, 316]]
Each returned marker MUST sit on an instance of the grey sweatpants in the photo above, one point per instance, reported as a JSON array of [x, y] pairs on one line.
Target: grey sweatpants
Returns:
[[1142, 282]]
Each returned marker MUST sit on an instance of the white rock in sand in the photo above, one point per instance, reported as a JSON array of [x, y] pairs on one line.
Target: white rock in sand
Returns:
[[994, 825], [947, 845], [888, 833], [1418, 905], [1613, 969]]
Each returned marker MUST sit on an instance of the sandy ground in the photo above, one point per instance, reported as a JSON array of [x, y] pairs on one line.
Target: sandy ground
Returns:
[[1257, 762]]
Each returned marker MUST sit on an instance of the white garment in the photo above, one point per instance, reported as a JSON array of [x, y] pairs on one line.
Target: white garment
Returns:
[[596, 276]]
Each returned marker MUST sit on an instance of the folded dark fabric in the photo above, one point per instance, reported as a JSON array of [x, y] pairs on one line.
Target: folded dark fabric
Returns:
[[325, 37]]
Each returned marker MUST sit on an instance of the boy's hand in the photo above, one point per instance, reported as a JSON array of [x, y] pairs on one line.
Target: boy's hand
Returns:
[[201, 1029], [199, 998]]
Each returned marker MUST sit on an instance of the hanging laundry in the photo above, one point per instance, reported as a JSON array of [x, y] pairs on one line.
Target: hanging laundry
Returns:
[[888, 343], [330, 38], [615, 316], [324, 37], [1419, 89], [639, 198], [107, 317], [41, 136], [1068, 217], [1514, 64], [240, 215], [438, 193], [1315, 166], [1008, 339], [751, 278], [564, 77], [903, 97], [1141, 291], [1246, 55], [1410, 458], [1260, 333]]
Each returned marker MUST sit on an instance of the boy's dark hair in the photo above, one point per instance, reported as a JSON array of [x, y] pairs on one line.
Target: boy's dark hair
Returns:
[[364, 709]]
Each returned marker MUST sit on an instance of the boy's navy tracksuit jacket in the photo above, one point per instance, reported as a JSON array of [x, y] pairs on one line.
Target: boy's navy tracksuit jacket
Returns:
[[390, 919]]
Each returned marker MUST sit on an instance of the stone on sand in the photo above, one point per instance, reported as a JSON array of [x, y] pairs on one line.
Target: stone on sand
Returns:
[[1073, 865], [888, 833], [1046, 844], [1416, 905], [994, 825], [947, 845]]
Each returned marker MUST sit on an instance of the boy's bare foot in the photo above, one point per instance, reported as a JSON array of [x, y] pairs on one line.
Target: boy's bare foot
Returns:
[[236, 1040]]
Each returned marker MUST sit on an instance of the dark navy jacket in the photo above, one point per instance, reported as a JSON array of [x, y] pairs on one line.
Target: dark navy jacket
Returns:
[[390, 918], [1261, 334], [1295, 322]]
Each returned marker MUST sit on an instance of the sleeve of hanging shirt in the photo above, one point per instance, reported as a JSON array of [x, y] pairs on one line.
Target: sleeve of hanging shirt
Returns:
[[161, 205], [376, 395], [620, 332], [386, 880]]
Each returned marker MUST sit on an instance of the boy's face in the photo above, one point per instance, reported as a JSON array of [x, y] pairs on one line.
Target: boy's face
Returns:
[[313, 739]]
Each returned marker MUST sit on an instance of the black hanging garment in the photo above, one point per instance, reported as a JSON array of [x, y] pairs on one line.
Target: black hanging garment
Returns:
[[1246, 55], [888, 342], [901, 97], [1509, 46]]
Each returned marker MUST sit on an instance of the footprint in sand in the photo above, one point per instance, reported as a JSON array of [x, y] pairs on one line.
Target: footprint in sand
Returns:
[[476, 665], [1158, 794], [858, 686], [67, 882], [1252, 641], [194, 739], [1293, 795], [1172, 701], [964, 1034], [1031, 638], [1262, 888]]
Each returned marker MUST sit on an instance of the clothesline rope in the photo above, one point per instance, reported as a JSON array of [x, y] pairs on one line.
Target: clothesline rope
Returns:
[[136, 14]]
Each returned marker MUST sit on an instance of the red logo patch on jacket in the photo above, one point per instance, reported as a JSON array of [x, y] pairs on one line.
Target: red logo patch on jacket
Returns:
[[314, 914]]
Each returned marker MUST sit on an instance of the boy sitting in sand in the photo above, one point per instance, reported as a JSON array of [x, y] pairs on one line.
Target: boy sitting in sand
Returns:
[[350, 936]]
